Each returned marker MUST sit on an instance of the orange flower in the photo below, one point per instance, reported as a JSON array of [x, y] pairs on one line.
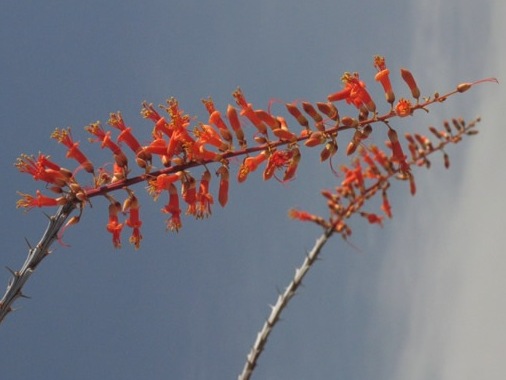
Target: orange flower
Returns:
[[207, 135], [305, 216], [189, 193], [162, 182], [410, 81], [292, 164], [248, 112], [216, 119], [403, 108], [105, 138], [329, 110], [158, 146], [385, 205], [372, 218], [397, 152], [295, 112], [354, 93], [383, 77], [29, 201], [174, 222], [277, 160], [204, 198], [236, 125], [43, 169], [64, 137], [250, 164], [301, 215], [131, 205], [161, 126], [114, 226], [224, 182]]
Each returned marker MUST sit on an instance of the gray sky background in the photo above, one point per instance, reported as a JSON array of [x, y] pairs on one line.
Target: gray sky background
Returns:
[[420, 298]]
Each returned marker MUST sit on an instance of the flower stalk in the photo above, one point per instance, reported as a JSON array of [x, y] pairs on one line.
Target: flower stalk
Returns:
[[179, 148]]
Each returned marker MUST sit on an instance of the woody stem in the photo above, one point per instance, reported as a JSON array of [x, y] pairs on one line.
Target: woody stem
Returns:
[[35, 256], [281, 303]]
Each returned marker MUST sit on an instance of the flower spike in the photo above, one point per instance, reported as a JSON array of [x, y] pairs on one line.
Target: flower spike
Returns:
[[181, 147], [64, 137]]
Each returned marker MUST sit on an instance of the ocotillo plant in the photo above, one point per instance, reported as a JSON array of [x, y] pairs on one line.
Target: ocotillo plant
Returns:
[[181, 149]]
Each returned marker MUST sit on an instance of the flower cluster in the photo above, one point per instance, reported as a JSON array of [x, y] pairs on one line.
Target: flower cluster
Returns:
[[180, 146], [373, 169]]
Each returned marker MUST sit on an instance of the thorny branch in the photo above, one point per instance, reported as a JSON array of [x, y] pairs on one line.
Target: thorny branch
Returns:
[[336, 221], [35, 256], [180, 149]]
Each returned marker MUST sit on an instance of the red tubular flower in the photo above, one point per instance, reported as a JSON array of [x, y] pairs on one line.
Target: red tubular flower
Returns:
[[381, 158], [126, 136], [158, 146], [267, 118], [248, 112], [397, 152], [207, 135], [383, 77], [29, 201], [131, 205], [64, 137], [249, 165], [43, 169], [149, 112], [114, 226], [224, 183], [305, 216], [198, 152], [385, 205], [316, 138], [329, 110], [359, 176], [329, 150], [105, 138], [372, 170], [143, 159], [293, 164], [301, 215], [410, 81], [174, 222], [162, 182], [372, 218], [216, 119], [282, 132], [344, 94], [189, 193], [161, 126], [311, 111], [236, 125], [350, 177], [277, 160], [412, 184], [204, 198], [354, 93], [295, 112]]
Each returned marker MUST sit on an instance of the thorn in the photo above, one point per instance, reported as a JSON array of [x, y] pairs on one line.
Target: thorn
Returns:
[[24, 296], [28, 243], [48, 216], [15, 274]]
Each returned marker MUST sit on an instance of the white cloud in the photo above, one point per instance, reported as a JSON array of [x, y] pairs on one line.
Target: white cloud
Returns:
[[445, 271]]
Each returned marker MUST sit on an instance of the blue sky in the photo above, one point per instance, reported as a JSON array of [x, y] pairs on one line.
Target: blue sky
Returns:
[[421, 297]]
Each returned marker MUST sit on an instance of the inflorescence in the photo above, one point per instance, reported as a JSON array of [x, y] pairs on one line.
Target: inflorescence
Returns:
[[179, 144]]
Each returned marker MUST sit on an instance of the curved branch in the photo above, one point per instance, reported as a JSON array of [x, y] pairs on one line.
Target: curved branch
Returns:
[[281, 303], [35, 256]]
